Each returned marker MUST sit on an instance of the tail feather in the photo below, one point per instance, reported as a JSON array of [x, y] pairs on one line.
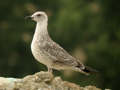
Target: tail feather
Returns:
[[87, 70]]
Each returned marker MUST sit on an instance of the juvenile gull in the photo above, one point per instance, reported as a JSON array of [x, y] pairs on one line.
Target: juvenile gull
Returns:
[[49, 53]]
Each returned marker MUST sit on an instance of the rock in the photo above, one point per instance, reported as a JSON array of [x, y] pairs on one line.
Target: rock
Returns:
[[40, 81]]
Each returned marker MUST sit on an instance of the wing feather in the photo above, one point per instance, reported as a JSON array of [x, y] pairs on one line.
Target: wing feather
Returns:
[[58, 54]]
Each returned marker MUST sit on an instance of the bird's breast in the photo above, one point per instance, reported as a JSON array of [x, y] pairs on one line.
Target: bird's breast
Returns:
[[39, 55]]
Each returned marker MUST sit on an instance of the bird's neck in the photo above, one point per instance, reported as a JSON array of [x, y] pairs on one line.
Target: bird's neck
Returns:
[[41, 31], [41, 28]]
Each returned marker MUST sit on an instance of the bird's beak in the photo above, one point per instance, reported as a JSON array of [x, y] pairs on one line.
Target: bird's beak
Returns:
[[29, 17]]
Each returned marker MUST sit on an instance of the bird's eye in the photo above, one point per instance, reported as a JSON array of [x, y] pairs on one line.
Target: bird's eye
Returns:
[[38, 15]]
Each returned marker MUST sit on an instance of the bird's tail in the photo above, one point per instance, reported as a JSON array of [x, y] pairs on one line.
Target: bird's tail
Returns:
[[86, 70], [89, 70]]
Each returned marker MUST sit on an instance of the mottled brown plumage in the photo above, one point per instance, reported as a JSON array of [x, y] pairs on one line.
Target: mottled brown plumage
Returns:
[[49, 53]]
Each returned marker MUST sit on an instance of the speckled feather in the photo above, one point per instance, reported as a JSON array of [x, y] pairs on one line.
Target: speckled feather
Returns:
[[47, 52]]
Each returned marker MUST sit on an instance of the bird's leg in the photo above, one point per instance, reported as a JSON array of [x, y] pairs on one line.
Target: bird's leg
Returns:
[[50, 69], [48, 76]]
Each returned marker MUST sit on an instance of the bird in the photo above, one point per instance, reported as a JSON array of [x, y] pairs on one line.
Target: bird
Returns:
[[48, 52]]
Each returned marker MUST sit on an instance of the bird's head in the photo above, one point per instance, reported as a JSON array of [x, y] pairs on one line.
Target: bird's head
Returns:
[[38, 16]]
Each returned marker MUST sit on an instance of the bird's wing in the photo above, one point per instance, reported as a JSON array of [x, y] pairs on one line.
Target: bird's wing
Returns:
[[58, 54]]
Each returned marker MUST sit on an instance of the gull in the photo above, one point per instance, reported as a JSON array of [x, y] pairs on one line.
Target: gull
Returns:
[[48, 52]]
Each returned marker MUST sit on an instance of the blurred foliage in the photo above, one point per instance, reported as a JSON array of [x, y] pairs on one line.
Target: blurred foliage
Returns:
[[89, 28]]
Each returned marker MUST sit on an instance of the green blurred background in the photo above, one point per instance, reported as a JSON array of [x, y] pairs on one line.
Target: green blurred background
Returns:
[[87, 29]]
